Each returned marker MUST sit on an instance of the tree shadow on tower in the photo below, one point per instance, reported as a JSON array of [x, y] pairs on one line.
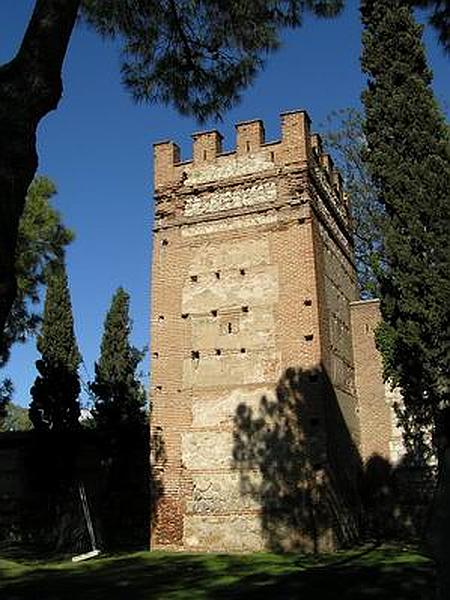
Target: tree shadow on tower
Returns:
[[297, 460]]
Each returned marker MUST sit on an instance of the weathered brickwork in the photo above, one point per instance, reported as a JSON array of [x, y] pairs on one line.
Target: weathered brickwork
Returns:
[[252, 282], [380, 435]]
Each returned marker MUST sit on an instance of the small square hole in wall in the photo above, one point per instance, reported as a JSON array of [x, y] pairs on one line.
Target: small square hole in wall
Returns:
[[243, 350], [244, 309], [217, 274], [155, 355], [307, 302], [309, 337], [218, 351], [214, 313], [195, 354], [242, 271], [161, 318], [158, 388], [185, 315], [302, 220], [194, 278], [164, 242]]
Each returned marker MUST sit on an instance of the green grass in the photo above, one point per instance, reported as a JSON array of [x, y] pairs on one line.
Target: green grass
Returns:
[[366, 574]]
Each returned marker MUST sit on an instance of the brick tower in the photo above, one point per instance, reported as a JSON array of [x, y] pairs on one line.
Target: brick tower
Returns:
[[252, 367]]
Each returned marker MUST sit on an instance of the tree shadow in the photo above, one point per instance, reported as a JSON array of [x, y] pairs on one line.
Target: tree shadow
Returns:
[[395, 498], [296, 457]]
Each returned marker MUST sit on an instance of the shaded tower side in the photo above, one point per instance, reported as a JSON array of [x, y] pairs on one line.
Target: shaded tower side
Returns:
[[251, 376]]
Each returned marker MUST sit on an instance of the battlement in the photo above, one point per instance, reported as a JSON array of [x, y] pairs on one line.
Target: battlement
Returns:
[[296, 146]]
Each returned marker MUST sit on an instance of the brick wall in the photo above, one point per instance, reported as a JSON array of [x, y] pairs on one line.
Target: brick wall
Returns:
[[252, 269]]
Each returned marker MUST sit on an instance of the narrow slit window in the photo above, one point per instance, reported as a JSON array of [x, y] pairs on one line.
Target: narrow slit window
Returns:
[[205, 155], [247, 146], [217, 274], [230, 328], [272, 156]]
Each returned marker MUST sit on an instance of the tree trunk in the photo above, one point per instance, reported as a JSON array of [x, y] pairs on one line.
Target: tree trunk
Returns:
[[30, 87]]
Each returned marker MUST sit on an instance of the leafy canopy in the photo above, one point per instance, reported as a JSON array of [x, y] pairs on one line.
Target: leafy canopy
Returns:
[[198, 55], [409, 162], [41, 243]]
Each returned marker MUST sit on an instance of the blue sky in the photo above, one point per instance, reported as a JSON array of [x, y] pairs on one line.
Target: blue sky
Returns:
[[97, 148]]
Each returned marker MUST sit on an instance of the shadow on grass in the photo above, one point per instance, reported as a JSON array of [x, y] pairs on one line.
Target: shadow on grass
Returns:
[[381, 574]]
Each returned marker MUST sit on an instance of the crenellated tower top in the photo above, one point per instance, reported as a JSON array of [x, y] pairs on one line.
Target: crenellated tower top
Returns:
[[296, 146]]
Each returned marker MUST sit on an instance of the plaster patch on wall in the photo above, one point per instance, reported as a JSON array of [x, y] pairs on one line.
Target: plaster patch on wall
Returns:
[[229, 199], [397, 448], [214, 412], [228, 224], [259, 367], [232, 533], [232, 254], [221, 493], [226, 167], [260, 287]]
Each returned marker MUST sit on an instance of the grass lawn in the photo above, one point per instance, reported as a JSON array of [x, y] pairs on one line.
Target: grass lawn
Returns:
[[369, 573]]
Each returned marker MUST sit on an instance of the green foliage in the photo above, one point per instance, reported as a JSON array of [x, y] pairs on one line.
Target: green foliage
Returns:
[[198, 55], [119, 396], [345, 138], [15, 419], [6, 391], [440, 18], [42, 239], [409, 162], [55, 391]]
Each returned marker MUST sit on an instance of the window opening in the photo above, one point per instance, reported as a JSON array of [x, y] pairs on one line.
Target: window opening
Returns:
[[230, 328], [217, 274]]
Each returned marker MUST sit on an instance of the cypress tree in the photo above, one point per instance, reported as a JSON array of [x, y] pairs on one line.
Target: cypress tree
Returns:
[[119, 413], [56, 389], [409, 162], [119, 397]]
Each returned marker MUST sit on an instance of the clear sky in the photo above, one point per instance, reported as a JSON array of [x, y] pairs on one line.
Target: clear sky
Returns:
[[97, 148]]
